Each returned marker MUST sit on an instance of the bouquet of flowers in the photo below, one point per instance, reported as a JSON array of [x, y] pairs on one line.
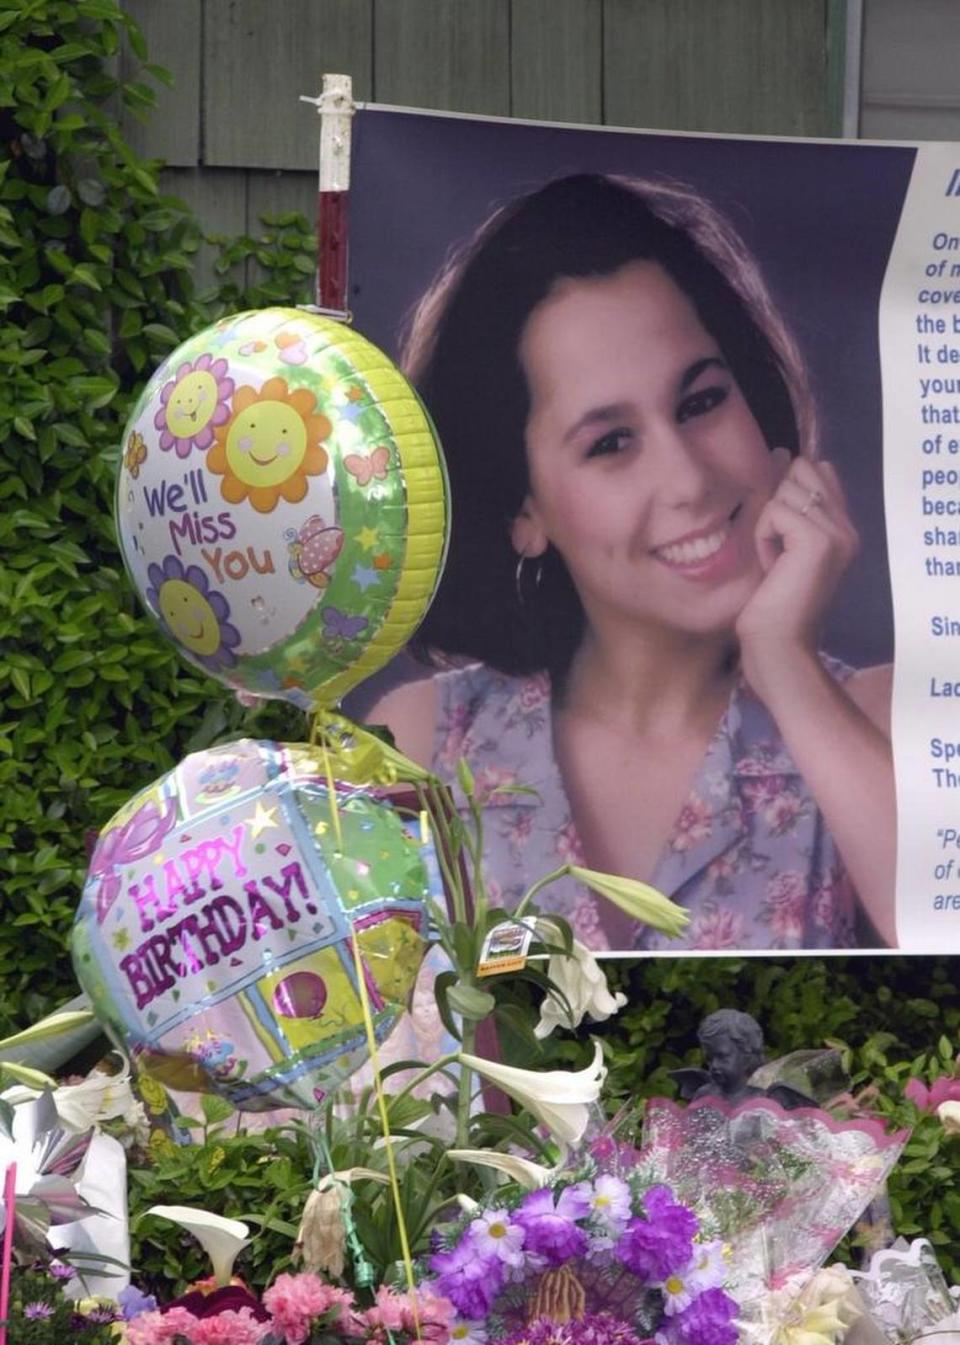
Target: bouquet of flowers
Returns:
[[296, 1310], [594, 1258]]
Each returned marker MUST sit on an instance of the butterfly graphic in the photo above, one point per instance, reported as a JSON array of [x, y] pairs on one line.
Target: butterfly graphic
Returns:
[[365, 469], [339, 625]]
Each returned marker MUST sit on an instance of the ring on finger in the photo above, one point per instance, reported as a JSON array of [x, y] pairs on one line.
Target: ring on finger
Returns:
[[813, 499]]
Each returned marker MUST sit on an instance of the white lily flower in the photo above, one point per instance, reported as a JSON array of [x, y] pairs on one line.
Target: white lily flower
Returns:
[[581, 979], [558, 1098], [222, 1239], [520, 1170], [99, 1097]]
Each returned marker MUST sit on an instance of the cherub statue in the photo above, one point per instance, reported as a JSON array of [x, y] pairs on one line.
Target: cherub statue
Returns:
[[732, 1043]]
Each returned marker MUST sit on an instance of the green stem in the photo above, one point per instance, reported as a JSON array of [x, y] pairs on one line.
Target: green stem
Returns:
[[538, 886], [465, 1086], [438, 1065], [479, 886], [434, 800]]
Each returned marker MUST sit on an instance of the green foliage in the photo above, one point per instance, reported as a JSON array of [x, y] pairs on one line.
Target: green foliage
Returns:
[[95, 287], [262, 1178]]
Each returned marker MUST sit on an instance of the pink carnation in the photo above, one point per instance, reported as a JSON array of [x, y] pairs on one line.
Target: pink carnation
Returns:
[[295, 1300], [229, 1328], [161, 1328], [394, 1311]]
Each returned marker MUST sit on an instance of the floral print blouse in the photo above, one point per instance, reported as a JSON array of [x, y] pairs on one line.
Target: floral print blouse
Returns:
[[749, 856]]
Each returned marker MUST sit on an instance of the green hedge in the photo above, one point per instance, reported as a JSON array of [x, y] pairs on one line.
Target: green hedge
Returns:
[[95, 287]]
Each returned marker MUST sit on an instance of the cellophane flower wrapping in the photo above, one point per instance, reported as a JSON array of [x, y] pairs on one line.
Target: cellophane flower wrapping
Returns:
[[907, 1295], [779, 1188]]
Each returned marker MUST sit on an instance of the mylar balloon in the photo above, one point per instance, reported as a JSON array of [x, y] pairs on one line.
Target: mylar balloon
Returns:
[[282, 504], [214, 936]]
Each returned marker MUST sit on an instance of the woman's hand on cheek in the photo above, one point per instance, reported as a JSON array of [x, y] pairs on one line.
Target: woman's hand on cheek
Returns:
[[805, 540]]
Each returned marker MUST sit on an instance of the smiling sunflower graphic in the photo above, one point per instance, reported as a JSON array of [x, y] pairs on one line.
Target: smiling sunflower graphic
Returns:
[[270, 445]]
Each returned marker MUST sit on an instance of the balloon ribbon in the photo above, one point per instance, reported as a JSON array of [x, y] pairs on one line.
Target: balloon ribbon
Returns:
[[385, 1126]]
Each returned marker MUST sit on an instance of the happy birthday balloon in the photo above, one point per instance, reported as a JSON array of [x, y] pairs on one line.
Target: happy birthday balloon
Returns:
[[282, 505], [214, 936]]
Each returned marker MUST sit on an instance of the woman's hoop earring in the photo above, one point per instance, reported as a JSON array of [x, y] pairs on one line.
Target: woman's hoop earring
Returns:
[[518, 578]]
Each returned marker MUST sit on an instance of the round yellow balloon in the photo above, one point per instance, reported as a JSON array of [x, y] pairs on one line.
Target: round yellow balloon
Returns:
[[282, 505]]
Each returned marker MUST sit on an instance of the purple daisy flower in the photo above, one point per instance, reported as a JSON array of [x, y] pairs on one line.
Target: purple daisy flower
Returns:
[[37, 1311], [194, 615], [195, 400], [550, 1230]]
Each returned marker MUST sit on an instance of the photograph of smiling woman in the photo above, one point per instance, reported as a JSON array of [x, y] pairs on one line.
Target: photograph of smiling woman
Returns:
[[645, 540]]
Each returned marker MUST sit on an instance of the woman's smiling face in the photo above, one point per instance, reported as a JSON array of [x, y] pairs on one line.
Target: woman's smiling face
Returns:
[[647, 469]]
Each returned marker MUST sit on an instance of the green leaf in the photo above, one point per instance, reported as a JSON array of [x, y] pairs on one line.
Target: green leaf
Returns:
[[84, 275], [215, 1109], [470, 1002], [441, 987]]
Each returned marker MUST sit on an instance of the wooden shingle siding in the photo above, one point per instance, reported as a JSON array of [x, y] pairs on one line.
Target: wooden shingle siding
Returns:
[[258, 58], [174, 36], [449, 54], [556, 60], [911, 70], [736, 66], [240, 144]]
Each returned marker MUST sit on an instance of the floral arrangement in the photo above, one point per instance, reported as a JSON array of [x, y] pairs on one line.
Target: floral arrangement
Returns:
[[296, 1310], [593, 1259]]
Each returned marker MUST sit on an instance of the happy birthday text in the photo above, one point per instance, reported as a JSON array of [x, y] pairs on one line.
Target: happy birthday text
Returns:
[[181, 942]]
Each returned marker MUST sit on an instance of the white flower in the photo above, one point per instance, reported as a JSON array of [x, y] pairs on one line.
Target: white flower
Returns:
[[521, 1170], [558, 1099], [610, 1202], [222, 1239], [705, 1270], [949, 1116], [468, 1333], [821, 1314], [581, 980], [496, 1236], [99, 1097]]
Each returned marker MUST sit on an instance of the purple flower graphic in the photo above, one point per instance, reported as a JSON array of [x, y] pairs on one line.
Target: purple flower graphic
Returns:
[[194, 615], [195, 400]]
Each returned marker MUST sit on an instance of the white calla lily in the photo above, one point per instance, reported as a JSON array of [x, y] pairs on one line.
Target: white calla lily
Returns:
[[580, 978], [560, 1099], [222, 1239], [523, 1171]]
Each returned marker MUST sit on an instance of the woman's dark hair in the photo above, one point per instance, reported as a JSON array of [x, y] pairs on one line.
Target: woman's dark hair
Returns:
[[461, 351]]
